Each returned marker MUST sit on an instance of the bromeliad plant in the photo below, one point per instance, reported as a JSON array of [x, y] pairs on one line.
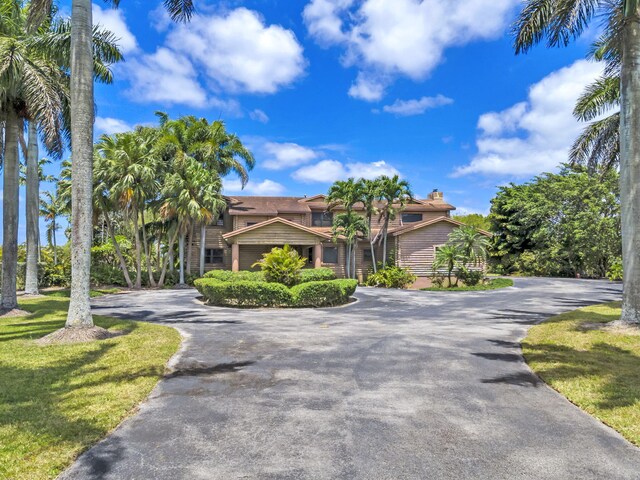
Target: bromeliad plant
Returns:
[[281, 265]]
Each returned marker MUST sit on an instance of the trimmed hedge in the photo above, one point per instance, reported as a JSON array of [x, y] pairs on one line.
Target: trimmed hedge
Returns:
[[229, 276], [316, 275], [243, 293], [323, 294]]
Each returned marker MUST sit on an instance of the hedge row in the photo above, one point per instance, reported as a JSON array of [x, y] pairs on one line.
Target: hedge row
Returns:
[[244, 293], [306, 275]]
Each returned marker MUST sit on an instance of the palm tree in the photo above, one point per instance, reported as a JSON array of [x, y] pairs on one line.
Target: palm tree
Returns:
[[33, 197], [560, 22], [472, 244], [349, 225], [394, 194], [82, 117], [344, 194], [448, 257], [51, 208], [369, 194]]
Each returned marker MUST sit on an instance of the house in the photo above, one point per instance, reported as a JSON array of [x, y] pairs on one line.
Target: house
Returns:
[[252, 225]]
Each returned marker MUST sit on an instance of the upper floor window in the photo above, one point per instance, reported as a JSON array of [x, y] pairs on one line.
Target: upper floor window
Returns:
[[411, 217], [213, 255], [321, 219], [220, 222]]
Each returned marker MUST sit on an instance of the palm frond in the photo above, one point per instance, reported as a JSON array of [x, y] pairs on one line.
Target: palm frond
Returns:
[[598, 98], [598, 146]]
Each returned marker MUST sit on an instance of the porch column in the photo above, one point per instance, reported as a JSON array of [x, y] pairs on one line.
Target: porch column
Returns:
[[317, 255], [235, 257]]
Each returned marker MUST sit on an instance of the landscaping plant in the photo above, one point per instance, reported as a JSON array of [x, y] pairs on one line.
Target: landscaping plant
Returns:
[[281, 265], [391, 276]]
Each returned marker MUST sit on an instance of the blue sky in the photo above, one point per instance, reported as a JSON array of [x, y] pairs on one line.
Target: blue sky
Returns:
[[325, 89]]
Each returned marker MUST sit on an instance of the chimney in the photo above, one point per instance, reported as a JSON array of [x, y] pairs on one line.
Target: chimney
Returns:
[[436, 195]]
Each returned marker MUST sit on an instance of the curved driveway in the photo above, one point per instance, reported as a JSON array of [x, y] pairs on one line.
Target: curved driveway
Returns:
[[400, 385]]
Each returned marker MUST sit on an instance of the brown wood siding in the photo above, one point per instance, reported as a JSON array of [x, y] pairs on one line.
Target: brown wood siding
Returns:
[[249, 254], [213, 239], [277, 234], [241, 221], [416, 249]]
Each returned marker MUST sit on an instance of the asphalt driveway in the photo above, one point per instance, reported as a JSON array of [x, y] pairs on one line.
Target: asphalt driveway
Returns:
[[399, 385]]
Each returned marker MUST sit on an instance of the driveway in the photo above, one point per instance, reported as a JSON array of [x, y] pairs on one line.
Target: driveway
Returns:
[[399, 385]]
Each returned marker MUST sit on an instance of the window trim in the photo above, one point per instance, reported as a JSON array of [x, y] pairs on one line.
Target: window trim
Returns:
[[208, 256], [325, 221], [325, 248], [412, 221]]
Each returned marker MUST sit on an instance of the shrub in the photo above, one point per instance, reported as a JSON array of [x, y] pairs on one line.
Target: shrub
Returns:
[[317, 275], [391, 277], [615, 270], [244, 293], [229, 276], [282, 265], [470, 278], [323, 293]]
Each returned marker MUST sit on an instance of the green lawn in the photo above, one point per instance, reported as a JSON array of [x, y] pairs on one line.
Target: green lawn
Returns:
[[56, 401], [598, 370], [492, 284], [95, 292]]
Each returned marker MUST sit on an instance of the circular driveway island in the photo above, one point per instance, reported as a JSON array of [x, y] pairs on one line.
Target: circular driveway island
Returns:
[[399, 385]]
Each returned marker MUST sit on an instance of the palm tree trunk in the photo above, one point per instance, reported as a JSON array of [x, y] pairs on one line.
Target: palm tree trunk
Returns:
[[136, 237], [181, 257], [116, 246], [203, 238], [168, 259], [384, 244], [53, 239], [630, 166], [10, 212], [348, 260], [373, 253], [152, 281], [353, 259], [82, 117], [190, 248], [172, 260], [33, 215]]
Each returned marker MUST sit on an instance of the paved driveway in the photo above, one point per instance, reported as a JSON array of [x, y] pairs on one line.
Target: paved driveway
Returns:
[[400, 385]]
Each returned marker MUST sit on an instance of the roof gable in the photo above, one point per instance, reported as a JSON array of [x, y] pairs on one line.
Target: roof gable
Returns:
[[418, 225], [272, 221]]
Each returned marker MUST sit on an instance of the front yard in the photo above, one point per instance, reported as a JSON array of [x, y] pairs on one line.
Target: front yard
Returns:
[[596, 369], [56, 401]]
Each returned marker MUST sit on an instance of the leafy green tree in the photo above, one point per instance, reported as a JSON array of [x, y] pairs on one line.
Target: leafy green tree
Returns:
[[558, 224], [481, 222], [559, 22]]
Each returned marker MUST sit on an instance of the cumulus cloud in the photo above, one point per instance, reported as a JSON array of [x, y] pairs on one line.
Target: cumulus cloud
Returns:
[[259, 116], [401, 38], [405, 108], [532, 136], [328, 171], [265, 187], [239, 53], [286, 155], [109, 125], [114, 21]]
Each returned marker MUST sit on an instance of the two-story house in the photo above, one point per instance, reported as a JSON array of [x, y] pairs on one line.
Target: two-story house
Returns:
[[252, 225]]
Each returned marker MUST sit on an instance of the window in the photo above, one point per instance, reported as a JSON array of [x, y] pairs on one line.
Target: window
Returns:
[[321, 219], [367, 255], [251, 223], [411, 217], [213, 255], [329, 254], [220, 222]]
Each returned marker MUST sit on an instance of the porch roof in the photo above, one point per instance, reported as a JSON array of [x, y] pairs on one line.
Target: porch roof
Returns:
[[268, 225]]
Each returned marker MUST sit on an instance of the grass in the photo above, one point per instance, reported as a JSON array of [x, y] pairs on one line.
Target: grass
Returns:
[[94, 292], [598, 370], [56, 401], [492, 284]]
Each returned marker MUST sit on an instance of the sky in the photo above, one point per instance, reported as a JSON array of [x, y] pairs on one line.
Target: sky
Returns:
[[322, 90]]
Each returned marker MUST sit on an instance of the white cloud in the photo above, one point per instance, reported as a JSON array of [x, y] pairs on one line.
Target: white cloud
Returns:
[[113, 20], [259, 116], [367, 88], [265, 187], [328, 171], [533, 136], [401, 38], [239, 53], [404, 108], [164, 77], [110, 125], [286, 155]]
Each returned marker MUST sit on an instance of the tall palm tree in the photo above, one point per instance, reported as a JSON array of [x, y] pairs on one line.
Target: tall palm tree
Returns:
[[344, 194], [448, 257], [82, 117], [350, 226], [369, 194], [32, 200], [560, 22], [50, 209], [394, 194]]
